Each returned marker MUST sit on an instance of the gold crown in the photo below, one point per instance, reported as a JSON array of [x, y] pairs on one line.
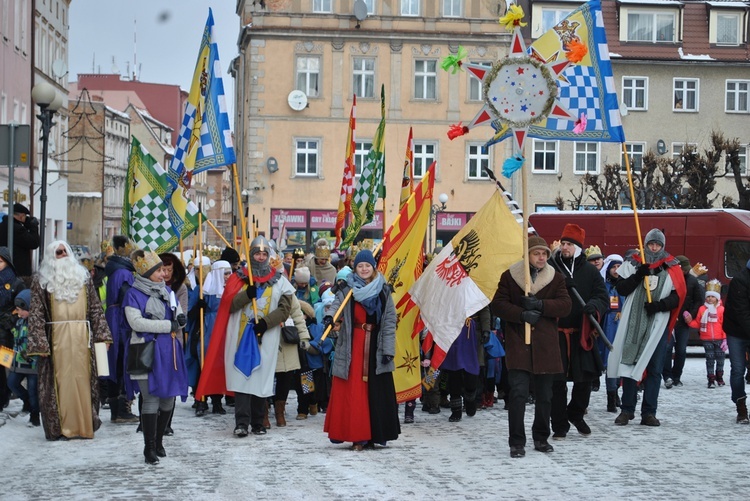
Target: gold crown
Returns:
[[593, 250], [367, 243], [322, 252], [713, 286], [143, 264]]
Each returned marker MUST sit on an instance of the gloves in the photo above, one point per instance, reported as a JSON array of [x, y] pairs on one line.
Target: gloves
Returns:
[[387, 359], [251, 292], [589, 309], [652, 308], [426, 362], [327, 320], [485, 337], [531, 302], [569, 282], [201, 304], [181, 320], [642, 271], [260, 326], [305, 345], [32, 223], [175, 326], [531, 316]]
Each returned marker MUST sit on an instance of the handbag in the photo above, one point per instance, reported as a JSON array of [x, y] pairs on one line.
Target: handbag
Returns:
[[140, 358], [289, 334]]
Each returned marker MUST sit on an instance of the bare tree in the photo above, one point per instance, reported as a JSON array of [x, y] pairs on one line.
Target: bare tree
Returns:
[[733, 162], [605, 190]]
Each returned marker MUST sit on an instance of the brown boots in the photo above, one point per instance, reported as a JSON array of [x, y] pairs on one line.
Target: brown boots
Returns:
[[742, 411], [279, 407]]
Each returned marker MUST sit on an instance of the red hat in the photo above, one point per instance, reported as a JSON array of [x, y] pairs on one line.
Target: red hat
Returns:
[[573, 233]]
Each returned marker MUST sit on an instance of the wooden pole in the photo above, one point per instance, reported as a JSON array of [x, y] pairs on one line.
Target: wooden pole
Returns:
[[634, 206], [245, 243], [211, 225], [527, 271], [200, 277]]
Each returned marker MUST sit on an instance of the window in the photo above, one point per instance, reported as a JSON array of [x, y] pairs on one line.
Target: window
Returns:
[[478, 161], [635, 154], [424, 155], [361, 149], [308, 75], [452, 8], [586, 158], [651, 27], [545, 156], [3, 108], [364, 77], [679, 148], [322, 6], [475, 86], [409, 7], [736, 96], [635, 92], [685, 94], [425, 79], [370, 6], [307, 153], [728, 29], [551, 17]]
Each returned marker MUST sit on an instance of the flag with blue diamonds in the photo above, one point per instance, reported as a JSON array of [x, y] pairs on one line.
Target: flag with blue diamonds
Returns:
[[145, 218], [585, 88], [205, 139]]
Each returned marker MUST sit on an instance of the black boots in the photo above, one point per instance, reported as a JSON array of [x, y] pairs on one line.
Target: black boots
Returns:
[[455, 410], [611, 401], [742, 411], [149, 424], [711, 381], [409, 411], [162, 423], [34, 418], [720, 378], [123, 411]]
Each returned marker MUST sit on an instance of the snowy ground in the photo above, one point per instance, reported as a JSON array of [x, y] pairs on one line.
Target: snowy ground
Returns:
[[697, 453]]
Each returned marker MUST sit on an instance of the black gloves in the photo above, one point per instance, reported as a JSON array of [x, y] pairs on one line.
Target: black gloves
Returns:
[[589, 309], [175, 326], [327, 320], [485, 337], [260, 326], [569, 282], [642, 271], [32, 224], [251, 292], [654, 307], [181, 320], [531, 302], [201, 304], [531, 316], [387, 359]]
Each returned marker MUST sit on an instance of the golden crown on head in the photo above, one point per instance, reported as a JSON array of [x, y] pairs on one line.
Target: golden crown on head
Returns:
[[367, 243], [593, 250], [351, 252], [322, 252], [149, 260], [713, 286]]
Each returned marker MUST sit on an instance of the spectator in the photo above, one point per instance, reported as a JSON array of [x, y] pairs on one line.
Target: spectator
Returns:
[[737, 328], [25, 239]]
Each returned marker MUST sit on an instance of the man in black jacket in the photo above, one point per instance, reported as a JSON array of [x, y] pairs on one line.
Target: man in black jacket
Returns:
[[672, 373], [580, 356], [737, 328], [25, 239]]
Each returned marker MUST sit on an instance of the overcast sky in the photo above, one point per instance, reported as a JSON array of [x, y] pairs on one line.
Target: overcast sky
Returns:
[[168, 36]]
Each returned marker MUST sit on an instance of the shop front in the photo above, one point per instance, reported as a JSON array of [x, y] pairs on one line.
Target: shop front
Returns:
[[305, 227], [448, 224]]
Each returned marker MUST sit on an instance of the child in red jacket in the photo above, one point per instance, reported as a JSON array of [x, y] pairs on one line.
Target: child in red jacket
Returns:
[[709, 320]]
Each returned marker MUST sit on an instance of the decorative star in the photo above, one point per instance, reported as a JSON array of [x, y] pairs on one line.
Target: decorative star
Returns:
[[524, 108], [410, 363], [520, 70]]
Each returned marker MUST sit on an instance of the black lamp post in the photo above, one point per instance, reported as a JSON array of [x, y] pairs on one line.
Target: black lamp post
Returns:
[[443, 199], [49, 101]]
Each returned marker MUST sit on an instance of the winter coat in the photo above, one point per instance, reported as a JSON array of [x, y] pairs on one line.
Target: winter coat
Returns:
[[711, 331], [737, 306], [25, 239], [693, 299], [289, 353], [542, 356]]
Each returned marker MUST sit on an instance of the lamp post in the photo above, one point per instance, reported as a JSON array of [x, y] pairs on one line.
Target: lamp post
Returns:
[[49, 101], [443, 199]]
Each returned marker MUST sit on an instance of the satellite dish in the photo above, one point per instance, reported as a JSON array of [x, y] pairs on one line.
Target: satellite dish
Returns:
[[59, 68], [211, 203], [360, 11], [623, 109], [211, 190]]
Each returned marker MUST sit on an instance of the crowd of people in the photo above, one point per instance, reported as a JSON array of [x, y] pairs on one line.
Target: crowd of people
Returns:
[[244, 334]]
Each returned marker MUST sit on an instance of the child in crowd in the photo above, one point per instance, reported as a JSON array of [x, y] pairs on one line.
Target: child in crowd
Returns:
[[314, 361], [709, 321], [24, 366]]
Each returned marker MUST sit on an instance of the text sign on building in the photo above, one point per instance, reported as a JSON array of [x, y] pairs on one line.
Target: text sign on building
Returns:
[[293, 218], [377, 222], [451, 221], [323, 219]]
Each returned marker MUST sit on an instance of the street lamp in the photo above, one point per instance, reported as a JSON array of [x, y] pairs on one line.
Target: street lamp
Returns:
[[49, 101], [443, 199]]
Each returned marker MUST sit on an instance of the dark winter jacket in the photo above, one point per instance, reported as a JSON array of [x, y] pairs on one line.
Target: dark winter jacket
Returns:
[[25, 239], [737, 306], [542, 356], [693, 300]]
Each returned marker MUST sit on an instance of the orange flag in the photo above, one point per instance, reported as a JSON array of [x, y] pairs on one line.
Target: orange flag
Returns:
[[407, 183]]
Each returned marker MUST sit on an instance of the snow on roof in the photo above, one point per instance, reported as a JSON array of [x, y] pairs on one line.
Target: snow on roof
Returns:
[[614, 54], [119, 113], [729, 4], [84, 194], [148, 115], [692, 57], [669, 3]]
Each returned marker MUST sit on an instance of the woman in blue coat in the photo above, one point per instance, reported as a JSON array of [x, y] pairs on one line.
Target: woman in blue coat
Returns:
[[610, 321]]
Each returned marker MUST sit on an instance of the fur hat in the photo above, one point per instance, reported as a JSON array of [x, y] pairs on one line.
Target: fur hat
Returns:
[[593, 252], [302, 275], [713, 288], [365, 256], [536, 242], [656, 235], [146, 262], [684, 263], [574, 234], [307, 309], [230, 255]]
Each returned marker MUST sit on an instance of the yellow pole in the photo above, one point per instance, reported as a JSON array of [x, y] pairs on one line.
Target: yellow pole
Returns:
[[211, 225], [634, 206], [245, 243], [200, 277]]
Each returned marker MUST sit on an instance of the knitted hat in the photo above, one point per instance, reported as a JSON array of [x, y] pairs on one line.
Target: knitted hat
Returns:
[[536, 242], [324, 286], [146, 262], [302, 275], [684, 263], [365, 256], [574, 234], [20, 209], [230, 255], [656, 235], [345, 271], [713, 288], [307, 309], [23, 299], [593, 252]]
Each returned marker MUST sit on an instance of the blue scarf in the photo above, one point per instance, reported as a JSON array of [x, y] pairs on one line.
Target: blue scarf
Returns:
[[368, 295]]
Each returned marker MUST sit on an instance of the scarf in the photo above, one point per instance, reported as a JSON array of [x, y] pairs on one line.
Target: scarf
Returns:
[[639, 323], [709, 315], [264, 273], [157, 295], [368, 295], [7, 277]]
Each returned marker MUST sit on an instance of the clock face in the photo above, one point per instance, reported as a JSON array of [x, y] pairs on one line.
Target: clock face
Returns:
[[297, 100]]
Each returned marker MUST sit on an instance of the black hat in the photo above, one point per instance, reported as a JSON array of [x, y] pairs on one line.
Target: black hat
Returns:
[[5, 256], [230, 255], [20, 209]]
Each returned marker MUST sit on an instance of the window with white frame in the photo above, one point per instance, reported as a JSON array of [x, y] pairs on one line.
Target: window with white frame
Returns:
[[370, 6], [364, 77], [361, 150], [452, 8], [685, 94], [307, 153], [308, 75], [477, 161], [635, 92], [728, 29], [322, 6], [743, 160], [551, 17], [545, 156], [679, 148], [737, 96], [410, 7], [586, 157], [425, 79], [635, 153], [645, 26], [424, 155], [475, 85]]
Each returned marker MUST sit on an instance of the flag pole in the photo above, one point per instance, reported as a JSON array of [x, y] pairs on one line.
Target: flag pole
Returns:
[[527, 271], [634, 206], [200, 278], [245, 243], [211, 225]]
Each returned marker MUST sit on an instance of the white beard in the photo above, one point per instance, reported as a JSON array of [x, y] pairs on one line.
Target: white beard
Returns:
[[64, 278]]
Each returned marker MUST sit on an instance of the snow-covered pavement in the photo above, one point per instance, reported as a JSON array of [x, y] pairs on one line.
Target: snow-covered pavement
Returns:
[[697, 453]]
